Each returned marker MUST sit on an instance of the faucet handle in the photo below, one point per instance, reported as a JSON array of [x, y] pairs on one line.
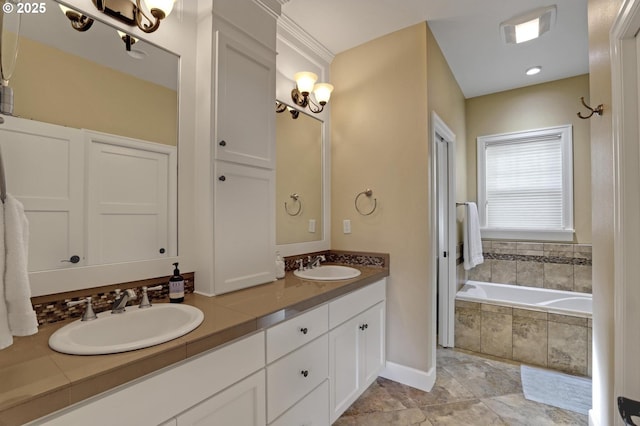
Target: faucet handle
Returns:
[[89, 313], [145, 303]]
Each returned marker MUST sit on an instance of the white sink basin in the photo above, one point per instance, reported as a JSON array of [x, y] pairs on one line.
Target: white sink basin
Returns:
[[328, 273], [133, 329]]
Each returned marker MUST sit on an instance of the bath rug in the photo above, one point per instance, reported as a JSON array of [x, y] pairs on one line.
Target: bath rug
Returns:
[[557, 389]]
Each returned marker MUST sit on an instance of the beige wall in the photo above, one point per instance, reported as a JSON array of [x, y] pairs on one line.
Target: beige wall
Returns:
[[380, 140], [447, 100], [601, 16], [534, 107], [298, 170], [56, 87]]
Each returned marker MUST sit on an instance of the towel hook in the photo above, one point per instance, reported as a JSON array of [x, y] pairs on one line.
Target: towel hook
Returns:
[[598, 110], [296, 198], [368, 192]]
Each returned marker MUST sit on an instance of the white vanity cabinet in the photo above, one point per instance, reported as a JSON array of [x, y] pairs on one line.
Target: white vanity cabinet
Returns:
[[237, 51], [356, 344], [226, 382], [298, 369]]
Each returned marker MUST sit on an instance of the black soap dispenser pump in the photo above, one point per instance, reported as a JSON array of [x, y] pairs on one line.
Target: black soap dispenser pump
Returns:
[[176, 286]]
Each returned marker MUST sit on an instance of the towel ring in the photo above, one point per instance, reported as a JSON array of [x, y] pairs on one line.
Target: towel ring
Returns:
[[296, 198], [368, 192]]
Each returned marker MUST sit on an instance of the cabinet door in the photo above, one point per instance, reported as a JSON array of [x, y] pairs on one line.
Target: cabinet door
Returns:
[[244, 101], [373, 352], [344, 366], [243, 404], [243, 227]]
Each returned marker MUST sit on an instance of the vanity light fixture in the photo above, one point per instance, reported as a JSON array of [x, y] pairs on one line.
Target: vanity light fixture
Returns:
[[131, 13], [528, 26], [79, 22], [280, 107], [533, 70], [127, 39], [305, 84]]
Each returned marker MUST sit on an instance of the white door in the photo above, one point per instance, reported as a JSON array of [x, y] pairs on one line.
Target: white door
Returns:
[[129, 200], [444, 150], [44, 169]]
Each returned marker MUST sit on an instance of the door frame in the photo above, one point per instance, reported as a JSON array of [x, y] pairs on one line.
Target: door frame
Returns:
[[625, 68], [447, 290]]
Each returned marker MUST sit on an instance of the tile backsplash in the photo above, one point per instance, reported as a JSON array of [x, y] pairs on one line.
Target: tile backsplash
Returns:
[[547, 265]]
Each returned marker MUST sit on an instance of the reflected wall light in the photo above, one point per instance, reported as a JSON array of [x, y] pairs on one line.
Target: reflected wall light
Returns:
[[280, 107], [125, 11], [305, 84], [528, 26], [79, 21]]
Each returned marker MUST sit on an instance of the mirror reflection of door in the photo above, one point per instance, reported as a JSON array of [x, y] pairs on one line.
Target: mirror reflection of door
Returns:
[[66, 83]]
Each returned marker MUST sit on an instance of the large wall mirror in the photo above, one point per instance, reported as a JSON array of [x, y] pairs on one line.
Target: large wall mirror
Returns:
[[91, 148], [299, 178]]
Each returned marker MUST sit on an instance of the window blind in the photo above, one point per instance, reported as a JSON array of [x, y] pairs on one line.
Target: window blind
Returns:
[[524, 184]]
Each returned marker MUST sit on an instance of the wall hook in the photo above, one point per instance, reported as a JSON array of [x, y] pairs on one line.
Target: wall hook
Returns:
[[598, 110]]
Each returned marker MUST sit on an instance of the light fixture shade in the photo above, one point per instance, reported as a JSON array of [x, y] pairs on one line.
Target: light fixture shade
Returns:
[[305, 81], [322, 91], [164, 5], [528, 26]]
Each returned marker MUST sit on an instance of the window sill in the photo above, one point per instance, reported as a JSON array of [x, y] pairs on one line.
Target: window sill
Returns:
[[565, 235]]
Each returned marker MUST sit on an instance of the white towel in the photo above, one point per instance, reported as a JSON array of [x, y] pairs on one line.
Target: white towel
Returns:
[[6, 338], [472, 243], [17, 290]]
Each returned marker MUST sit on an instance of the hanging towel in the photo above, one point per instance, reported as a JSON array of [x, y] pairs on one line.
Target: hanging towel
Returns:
[[6, 338], [472, 243], [17, 290]]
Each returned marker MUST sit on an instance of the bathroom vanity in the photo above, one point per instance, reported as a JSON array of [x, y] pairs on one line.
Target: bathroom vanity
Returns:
[[277, 353]]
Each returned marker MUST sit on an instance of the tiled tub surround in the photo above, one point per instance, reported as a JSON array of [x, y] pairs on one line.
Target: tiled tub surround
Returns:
[[548, 265], [35, 380], [560, 342]]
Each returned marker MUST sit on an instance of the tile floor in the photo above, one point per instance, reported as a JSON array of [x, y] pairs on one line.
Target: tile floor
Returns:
[[469, 390]]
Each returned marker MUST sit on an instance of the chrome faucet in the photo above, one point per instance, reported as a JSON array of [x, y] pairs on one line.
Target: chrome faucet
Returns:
[[315, 262], [120, 302]]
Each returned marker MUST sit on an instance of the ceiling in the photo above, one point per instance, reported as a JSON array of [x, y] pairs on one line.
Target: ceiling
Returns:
[[467, 31]]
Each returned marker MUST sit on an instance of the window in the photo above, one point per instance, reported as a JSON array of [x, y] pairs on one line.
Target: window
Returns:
[[525, 184]]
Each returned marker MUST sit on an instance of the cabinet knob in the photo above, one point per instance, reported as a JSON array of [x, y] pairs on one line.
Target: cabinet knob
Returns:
[[304, 330], [364, 327], [222, 178], [72, 259], [222, 143], [162, 250], [305, 373]]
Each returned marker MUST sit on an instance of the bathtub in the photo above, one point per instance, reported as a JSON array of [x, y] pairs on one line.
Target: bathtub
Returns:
[[540, 299]]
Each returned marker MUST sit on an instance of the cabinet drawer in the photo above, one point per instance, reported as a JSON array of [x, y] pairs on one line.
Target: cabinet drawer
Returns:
[[353, 303], [295, 375], [292, 334], [313, 410]]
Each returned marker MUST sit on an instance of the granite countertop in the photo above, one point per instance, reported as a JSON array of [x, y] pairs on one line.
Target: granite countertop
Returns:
[[35, 380]]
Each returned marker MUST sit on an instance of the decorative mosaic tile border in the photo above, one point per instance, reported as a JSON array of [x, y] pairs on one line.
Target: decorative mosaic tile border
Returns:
[[539, 259], [53, 308], [377, 260]]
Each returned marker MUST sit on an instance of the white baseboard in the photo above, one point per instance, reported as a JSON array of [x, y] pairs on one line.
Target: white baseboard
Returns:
[[592, 419], [418, 379]]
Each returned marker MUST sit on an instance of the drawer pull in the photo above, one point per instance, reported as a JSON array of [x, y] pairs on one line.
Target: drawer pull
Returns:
[[304, 330], [222, 178], [364, 327], [223, 143], [304, 373]]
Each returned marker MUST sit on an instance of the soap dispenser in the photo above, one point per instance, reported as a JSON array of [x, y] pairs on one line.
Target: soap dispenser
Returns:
[[176, 286], [279, 266]]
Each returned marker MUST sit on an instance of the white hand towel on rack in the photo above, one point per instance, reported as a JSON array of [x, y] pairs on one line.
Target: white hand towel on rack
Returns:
[[472, 240], [17, 291], [6, 338]]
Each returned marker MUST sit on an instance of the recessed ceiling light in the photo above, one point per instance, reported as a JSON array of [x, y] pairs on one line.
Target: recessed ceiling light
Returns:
[[528, 26], [533, 70]]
